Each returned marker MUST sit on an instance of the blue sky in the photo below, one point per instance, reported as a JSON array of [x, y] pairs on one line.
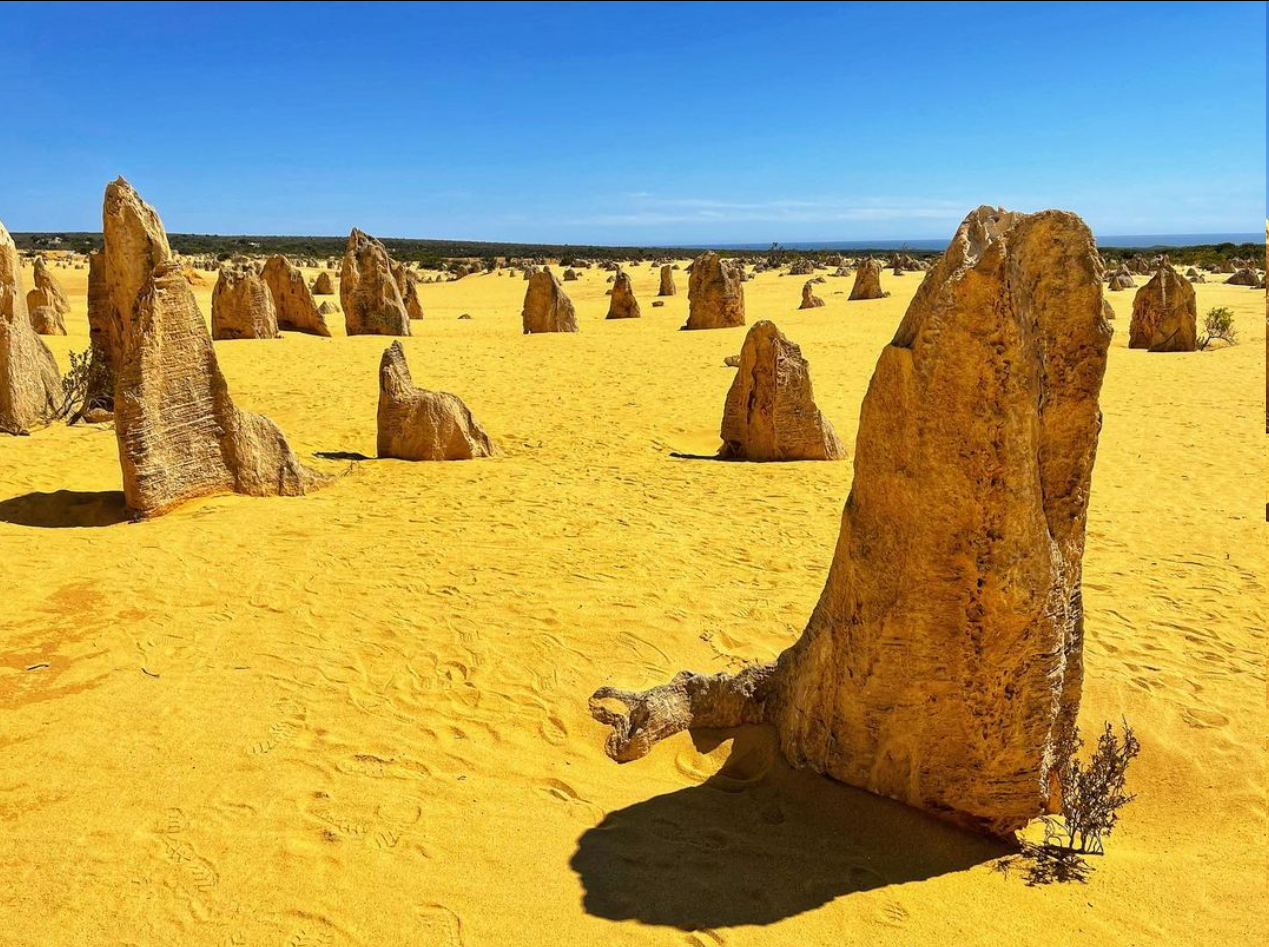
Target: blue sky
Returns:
[[635, 122]]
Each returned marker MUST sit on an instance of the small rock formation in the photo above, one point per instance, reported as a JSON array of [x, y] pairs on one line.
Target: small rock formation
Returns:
[[569, 275], [809, 299], [770, 412], [242, 306], [1164, 314], [1244, 276], [327, 308], [368, 290], [323, 285], [1121, 280], [546, 307], [802, 267], [293, 301], [46, 303], [180, 434], [407, 285], [943, 663], [667, 281], [658, 303], [868, 281], [623, 304], [417, 424], [715, 297], [30, 384]]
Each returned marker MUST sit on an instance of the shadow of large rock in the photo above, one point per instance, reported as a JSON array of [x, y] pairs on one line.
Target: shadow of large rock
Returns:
[[65, 509], [758, 842]]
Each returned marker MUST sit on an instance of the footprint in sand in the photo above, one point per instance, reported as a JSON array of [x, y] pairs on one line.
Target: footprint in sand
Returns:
[[291, 721], [583, 809], [438, 926], [893, 914], [1204, 719], [553, 730]]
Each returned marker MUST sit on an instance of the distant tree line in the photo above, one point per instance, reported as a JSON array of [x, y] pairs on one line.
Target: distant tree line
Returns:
[[435, 252]]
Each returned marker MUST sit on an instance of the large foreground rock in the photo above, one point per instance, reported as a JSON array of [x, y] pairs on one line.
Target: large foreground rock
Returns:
[[715, 296], [368, 289], [770, 412], [242, 306], [134, 243], [296, 308], [1164, 314], [868, 281], [943, 663], [546, 307], [46, 302], [623, 304], [180, 434], [417, 424], [30, 385]]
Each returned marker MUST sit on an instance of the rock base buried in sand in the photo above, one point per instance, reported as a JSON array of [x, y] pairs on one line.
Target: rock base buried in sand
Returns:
[[715, 296], [546, 307], [30, 385], [297, 310], [242, 306], [943, 663], [324, 285], [623, 304], [180, 434], [369, 292], [667, 287], [417, 424], [809, 299], [770, 412], [46, 303], [1164, 314], [868, 281]]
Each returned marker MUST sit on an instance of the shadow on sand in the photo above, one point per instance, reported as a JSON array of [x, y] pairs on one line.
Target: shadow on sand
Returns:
[[341, 455], [65, 509], [758, 842]]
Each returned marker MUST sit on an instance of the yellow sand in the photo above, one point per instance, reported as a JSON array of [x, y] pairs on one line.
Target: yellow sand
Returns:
[[360, 717]]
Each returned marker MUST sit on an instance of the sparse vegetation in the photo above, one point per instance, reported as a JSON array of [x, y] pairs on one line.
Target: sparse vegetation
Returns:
[[1218, 325], [82, 384], [1092, 792]]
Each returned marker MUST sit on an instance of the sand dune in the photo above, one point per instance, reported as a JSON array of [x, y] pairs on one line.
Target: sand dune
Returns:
[[359, 717]]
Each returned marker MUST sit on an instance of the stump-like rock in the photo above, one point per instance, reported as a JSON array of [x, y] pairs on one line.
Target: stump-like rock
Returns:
[[407, 284], [546, 307], [417, 424], [1164, 314], [242, 306], [770, 412], [715, 296], [46, 303], [623, 304], [293, 301], [180, 434], [867, 283], [30, 384], [1244, 276], [368, 289], [667, 287], [809, 299], [942, 665], [1121, 280], [324, 285]]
